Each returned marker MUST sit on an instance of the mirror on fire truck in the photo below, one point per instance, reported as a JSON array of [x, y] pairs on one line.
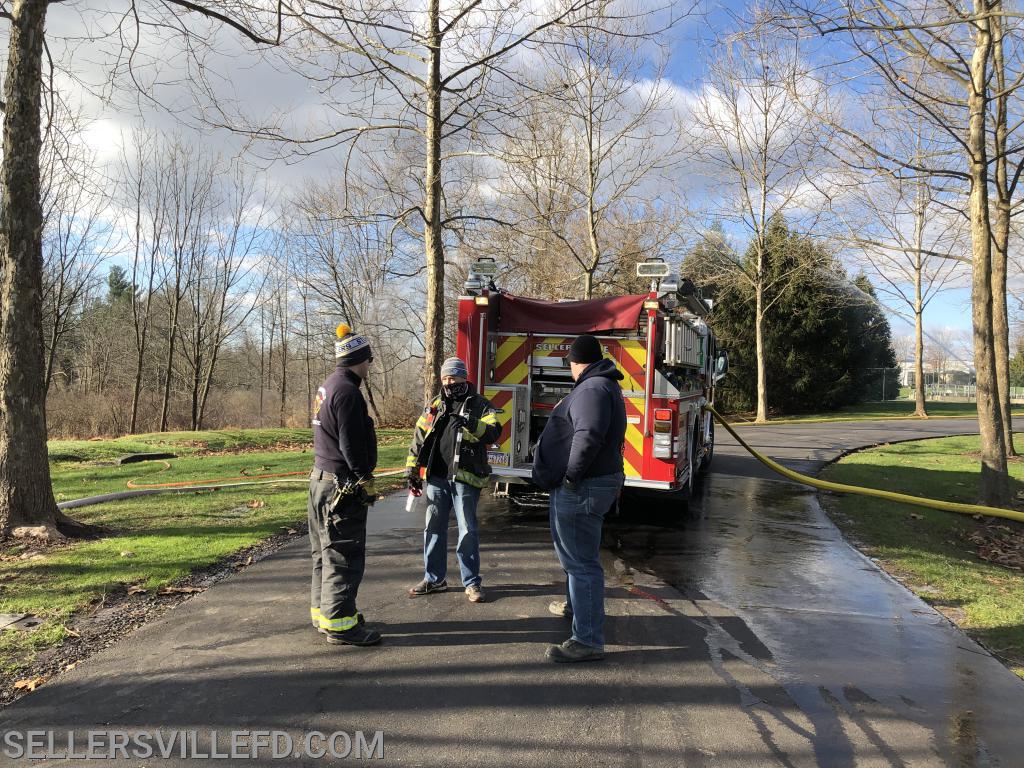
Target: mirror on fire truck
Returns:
[[721, 364]]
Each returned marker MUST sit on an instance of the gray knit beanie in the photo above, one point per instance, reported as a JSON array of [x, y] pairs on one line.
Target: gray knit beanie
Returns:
[[454, 366]]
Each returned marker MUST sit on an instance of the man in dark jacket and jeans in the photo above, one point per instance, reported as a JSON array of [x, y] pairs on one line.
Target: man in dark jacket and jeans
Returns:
[[579, 460], [449, 453], [340, 492]]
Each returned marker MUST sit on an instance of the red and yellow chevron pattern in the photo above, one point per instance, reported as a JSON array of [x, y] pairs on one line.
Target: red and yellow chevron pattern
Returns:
[[500, 399], [512, 360], [633, 449]]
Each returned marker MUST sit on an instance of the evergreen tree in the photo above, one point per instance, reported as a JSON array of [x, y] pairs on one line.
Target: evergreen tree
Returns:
[[119, 287], [823, 337]]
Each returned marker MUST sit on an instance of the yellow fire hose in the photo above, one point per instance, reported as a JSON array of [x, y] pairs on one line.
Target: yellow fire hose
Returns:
[[825, 485]]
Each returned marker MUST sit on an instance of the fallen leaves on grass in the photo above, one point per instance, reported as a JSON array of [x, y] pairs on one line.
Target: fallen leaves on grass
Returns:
[[256, 504], [999, 544], [179, 590], [289, 531], [29, 683], [137, 589]]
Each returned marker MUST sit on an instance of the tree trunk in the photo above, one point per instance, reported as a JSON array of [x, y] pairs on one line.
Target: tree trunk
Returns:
[[208, 382], [51, 358], [168, 372], [762, 386], [26, 495], [371, 400], [592, 241], [432, 231], [141, 339], [136, 392], [1001, 241], [305, 337], [282, 414], [920, 408], [995, 487], [197, 380]]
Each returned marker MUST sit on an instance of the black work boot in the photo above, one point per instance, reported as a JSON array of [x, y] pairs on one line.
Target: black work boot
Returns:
[[571, 650], [357, 635], [359, 621]]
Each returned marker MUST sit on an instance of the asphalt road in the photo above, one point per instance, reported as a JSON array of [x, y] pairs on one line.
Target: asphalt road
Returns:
[[742, 632]]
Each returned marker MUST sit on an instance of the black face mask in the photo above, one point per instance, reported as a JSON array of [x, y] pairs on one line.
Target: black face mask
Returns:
[[455, 391]]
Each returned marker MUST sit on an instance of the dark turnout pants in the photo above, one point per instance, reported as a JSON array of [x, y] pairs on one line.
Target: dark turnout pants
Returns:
[[337, 539]]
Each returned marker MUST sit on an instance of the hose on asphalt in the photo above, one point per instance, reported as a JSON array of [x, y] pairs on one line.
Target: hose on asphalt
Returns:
[[902, 498], [208, 485]]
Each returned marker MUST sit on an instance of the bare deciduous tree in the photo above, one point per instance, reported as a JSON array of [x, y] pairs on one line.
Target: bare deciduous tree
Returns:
[[438, 76], [761, 140], [955, 46]]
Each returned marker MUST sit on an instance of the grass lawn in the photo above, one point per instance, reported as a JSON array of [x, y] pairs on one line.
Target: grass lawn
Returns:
[[889, 409], [938, 554], [159, 539]]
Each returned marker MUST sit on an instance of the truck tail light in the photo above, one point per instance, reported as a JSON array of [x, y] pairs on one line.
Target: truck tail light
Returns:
[[663, 437]]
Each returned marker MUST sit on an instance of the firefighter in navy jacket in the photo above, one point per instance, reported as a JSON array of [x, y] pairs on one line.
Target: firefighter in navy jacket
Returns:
[[579, 460], [449, 453], [340, 493]]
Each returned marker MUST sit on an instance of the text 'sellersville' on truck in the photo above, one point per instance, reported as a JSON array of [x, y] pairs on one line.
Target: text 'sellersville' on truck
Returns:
[[516, 350]]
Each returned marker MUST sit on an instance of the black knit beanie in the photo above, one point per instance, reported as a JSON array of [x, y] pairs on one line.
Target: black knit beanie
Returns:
[[586, 349]]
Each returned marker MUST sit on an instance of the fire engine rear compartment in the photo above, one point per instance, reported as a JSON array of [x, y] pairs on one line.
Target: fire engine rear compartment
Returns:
[[516, 351]]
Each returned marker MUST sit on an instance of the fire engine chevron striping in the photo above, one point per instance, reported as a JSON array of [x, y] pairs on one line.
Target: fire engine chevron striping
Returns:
[[500, 399], [633, 449], [825, 485], [631, 360], [510, 361]]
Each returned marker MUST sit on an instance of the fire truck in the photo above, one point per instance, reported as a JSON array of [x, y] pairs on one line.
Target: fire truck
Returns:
[[516, 350]]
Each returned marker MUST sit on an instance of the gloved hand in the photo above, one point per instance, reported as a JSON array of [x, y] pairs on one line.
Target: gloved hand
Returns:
[[414, 482], [570, 485], [368, 487], [459, 420]]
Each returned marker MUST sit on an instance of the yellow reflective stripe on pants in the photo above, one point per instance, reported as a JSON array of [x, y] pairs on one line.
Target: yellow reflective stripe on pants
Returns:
[[314, 614], [338, 625]]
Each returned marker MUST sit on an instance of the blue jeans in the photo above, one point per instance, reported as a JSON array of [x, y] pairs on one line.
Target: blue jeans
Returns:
[[441, 497], [576, 519]]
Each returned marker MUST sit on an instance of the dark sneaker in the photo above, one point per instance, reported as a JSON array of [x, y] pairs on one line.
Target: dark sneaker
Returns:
[[357, 635], [359, 622], [475, 594], [428, 587], [560, 608], [570, 650]]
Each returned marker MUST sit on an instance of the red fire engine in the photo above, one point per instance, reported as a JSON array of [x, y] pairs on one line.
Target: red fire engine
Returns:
[[516, 349]]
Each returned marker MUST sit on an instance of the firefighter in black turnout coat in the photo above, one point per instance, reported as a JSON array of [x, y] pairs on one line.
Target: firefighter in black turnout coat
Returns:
[[340, 493]]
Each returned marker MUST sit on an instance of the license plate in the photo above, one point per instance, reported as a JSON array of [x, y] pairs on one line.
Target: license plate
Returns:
[[498, 459]]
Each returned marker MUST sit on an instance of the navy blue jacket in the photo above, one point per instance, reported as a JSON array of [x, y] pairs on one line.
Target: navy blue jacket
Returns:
[[344, 441], [584, 436]]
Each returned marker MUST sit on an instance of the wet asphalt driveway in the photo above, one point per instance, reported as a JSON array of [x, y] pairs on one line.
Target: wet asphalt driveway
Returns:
[[744, 632]]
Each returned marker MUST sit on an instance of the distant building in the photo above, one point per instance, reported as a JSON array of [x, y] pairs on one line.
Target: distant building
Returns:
[[954, 373]]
